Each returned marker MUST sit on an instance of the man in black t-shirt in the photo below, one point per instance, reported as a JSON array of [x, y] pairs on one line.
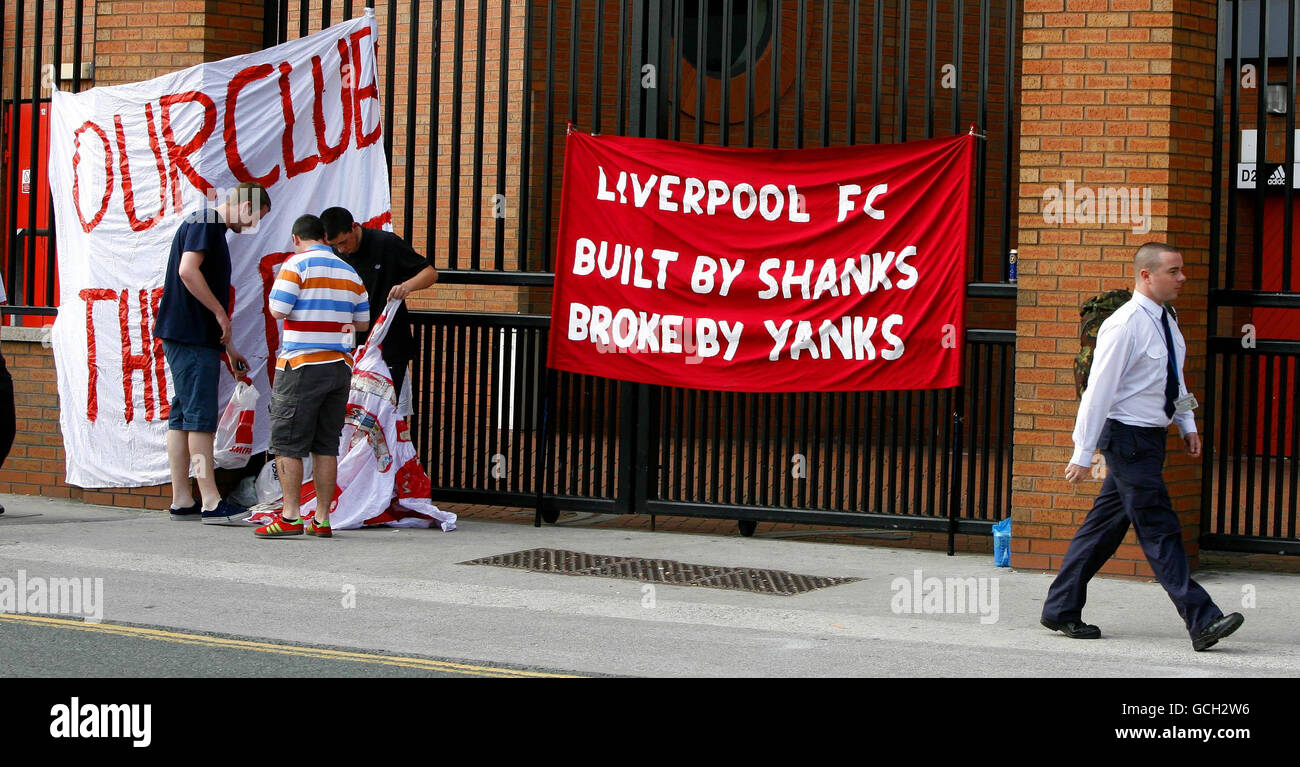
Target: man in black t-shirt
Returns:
[[193, 322], [390, 269]]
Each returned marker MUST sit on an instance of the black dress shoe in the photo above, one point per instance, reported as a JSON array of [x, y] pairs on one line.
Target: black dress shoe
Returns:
[[1073, 629], [1212, 633]]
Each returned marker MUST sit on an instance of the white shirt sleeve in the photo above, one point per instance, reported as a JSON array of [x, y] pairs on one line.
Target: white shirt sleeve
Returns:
[[1114, 344], [1186, 423]]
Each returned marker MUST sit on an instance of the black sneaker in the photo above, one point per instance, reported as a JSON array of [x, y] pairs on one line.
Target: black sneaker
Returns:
[[187, 514], [225, 513]]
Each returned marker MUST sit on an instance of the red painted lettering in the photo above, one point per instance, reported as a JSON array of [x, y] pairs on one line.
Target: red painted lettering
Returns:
[[180, 155], [142, 362], [159, 360], [128, 186], [90, 296], [233, 159], [268, 268], [108, 175], [329, 154], [368, 91], [292, 166]]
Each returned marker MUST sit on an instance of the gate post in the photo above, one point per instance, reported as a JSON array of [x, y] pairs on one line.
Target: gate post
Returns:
[[1113, 103]]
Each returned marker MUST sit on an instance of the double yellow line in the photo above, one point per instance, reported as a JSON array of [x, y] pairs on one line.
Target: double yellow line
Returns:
[[280, 649]]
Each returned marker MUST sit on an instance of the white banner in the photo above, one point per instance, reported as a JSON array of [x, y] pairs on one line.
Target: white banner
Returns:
[[128, 162]]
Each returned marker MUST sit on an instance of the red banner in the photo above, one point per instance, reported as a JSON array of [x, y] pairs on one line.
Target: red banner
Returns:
[[763, 270]]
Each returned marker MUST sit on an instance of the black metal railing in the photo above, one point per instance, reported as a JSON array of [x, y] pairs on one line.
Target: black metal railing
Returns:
[[896, 459], [1249, 487]]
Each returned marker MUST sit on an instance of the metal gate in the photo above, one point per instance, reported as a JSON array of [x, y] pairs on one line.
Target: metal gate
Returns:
[[1252, 456], [476, 96], [497, 427]]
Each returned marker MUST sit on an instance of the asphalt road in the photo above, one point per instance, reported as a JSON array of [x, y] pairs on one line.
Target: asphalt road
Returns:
[[50, 646]]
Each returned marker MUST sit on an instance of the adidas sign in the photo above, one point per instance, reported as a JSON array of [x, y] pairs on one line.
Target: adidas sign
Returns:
[[1278, 178]]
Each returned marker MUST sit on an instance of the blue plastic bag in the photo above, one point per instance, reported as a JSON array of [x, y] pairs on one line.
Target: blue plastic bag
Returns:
[[1002, 543]]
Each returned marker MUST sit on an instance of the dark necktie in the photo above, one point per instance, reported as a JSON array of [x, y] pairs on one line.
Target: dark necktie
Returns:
[[1171, 371]]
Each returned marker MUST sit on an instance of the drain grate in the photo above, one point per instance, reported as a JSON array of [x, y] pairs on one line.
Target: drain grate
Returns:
[[665, 571]]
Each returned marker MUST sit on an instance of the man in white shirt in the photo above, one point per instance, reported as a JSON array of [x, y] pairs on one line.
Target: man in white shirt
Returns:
[[1135, 390]]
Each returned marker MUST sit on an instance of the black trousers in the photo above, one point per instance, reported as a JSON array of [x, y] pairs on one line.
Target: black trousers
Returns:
[[8, 420], [1134, 493]]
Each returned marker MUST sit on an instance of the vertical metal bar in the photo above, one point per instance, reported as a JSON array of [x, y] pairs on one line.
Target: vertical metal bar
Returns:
[[1234, 156], [435, 346], [524, 216], [1261, 152], [878, 451], [853, 80], [1283, 423], [1008, 135], [724, 76], [38, 22], [431, 247], [904, 48], [575, 34], [347, 9], [969, 427], [481, 412], [502, 131], [954, 494], [303, 8], [1004, 360], [701, 64], [51, 298], [715, 478], [679, 55], [1237, 434], [774, 102], [622, 65], [549, 162], [934, 417], [530, 426], [948, 422], [826, 74], [1265, 460], [412, 83], [325, 14], [915, 448], [596, 67], [79, 10], [855, 431], [751, 18], [565, 383], [494, 390], [639, 44], [891, 473], [959, 32], [1294, 504], [390, 60], [654, 124], [476, 209], [1255, 362], [455, 446], [981, 147], [801, 75], [877, 68], [453, 192], [690, 489], [1288, 210], [984, 429], [930, 67], [1225, 454]]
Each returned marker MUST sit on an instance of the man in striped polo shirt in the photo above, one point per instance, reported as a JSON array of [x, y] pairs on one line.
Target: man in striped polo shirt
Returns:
[[322, 302]]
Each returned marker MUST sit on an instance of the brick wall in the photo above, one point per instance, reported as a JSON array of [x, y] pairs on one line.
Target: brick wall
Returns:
[[35, 465], [1115, 93]]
